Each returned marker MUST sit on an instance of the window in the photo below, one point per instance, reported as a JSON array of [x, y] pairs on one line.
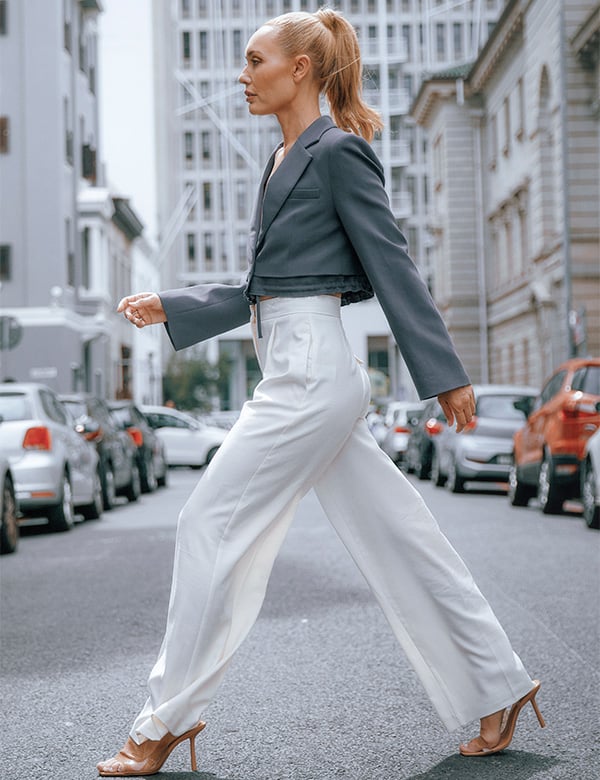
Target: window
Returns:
[[186, 9], [440, 41], [241, 194], [372, 6], [82, 43], [238, 53], [188, 149], [506, 112], [70, 254], [587, 379], [493, 140], [68, 132], [190, 241], [457, 35], [520, 131], [208, 252], [3, 17], [552, 386], [408, 84], [186, 49], [67, 25], [203, 48], [407, 38], [206, 143], [85, 258], [207, 197], [202, 7], [4, 135], [5, 265]]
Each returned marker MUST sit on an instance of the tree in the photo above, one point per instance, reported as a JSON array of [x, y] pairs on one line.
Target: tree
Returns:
[[193, 384]]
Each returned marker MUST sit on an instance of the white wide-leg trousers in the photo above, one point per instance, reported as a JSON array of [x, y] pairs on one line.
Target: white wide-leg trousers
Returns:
[[304, 428]]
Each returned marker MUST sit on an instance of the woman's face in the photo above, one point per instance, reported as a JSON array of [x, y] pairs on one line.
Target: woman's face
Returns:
[[268, 74]]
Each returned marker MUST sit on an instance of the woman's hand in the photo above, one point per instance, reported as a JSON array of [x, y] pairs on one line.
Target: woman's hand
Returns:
[[142, 309], [459, 405]]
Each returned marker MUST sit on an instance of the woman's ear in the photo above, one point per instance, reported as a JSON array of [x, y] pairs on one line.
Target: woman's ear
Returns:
[[302, 67]]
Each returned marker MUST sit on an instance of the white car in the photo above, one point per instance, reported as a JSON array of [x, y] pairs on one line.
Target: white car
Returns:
[[590, 480], [55, 471], [187, 441]]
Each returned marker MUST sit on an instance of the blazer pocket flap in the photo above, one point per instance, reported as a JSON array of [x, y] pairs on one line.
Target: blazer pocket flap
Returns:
[[305, 192]]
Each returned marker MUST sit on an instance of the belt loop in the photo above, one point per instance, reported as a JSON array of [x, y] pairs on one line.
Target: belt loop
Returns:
[[258, 321]]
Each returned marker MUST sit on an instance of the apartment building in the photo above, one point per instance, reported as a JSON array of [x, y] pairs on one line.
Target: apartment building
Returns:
[[210, 152], [516, 191], [66, 241]]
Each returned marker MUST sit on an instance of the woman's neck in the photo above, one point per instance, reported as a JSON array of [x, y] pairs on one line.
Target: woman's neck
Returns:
[[293, 125]]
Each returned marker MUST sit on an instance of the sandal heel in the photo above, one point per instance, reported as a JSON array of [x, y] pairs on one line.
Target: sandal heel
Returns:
[[193, 752], [540, 718]]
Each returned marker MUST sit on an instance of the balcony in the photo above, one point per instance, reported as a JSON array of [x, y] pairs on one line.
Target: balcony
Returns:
[[401, 204], [397, 99]]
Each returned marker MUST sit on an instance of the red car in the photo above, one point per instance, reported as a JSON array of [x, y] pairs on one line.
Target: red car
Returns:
[[549, 448]]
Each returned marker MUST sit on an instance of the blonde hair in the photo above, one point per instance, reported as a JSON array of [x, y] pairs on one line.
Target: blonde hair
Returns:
[[332, 45]]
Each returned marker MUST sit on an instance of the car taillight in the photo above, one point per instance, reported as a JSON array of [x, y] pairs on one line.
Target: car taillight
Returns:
[[401, 429], [433, 427], [136, 435], [38, 438]]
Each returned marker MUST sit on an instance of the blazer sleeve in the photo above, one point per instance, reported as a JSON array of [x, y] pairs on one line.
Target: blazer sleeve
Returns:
[[202, 311], [362, 205]]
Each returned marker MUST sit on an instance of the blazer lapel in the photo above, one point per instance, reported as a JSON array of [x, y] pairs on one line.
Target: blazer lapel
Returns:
[[284, 179]]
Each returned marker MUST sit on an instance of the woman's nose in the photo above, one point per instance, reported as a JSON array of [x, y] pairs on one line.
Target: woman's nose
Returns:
[[243, 77]]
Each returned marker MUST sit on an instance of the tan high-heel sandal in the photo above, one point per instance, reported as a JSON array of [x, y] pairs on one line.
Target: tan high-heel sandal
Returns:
[[148, 758], [506, 734]]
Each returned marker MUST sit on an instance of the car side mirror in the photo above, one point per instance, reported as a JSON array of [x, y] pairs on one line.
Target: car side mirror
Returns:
[[597, 407], [524, 405]]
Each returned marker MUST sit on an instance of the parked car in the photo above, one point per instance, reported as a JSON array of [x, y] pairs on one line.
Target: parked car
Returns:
[[483, 450], [55, 470], [9, 526], [187, 441], [119, 471], [549, 447], [590, 480], [223, 419], [151, 457], [419, 449], [400, 419]]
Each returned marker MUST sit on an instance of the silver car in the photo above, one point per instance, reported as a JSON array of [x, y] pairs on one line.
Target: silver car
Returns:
[[483, 451], [590, 479], [9, 528], [400, 420], [187, 441], [55, 470]]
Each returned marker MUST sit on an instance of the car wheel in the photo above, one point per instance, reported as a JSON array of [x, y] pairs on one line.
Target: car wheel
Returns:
[[518, 492], [549, 494], [163, 480], [436, 476], [148, 476], [591, 510], [108, 487], [454, 482], [9, 527], [93, 510], [211, 454], [62, 516], [134, 488]]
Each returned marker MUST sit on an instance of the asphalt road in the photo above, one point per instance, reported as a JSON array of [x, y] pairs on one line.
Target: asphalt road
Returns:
[[320, 690]]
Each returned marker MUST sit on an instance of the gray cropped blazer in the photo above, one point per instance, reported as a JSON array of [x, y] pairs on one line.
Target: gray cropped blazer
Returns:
[[325, 212]]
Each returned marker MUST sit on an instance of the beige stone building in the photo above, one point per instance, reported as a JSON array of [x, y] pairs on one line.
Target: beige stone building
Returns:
[[515, 192]]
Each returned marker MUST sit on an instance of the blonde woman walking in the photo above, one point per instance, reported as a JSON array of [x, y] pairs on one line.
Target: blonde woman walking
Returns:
[[322, 236]]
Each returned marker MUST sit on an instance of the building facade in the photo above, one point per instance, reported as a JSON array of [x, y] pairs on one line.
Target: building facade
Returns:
[[66, 242], [516, 191], [210, 151]]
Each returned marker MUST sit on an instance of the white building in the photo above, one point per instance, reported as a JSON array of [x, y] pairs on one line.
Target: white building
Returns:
[[516, 192], [65, 241], [210, 151]]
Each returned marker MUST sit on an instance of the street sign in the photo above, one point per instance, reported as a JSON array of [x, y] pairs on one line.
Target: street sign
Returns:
[[11, 332]]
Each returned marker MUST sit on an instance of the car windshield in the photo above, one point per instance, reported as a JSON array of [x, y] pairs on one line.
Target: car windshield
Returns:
[[499, 407], [15, 406]]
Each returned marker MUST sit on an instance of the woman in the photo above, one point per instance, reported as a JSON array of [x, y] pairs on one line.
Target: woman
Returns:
[[322, 236]]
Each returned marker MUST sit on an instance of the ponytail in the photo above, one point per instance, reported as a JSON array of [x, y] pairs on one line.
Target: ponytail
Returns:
[[331, 43]]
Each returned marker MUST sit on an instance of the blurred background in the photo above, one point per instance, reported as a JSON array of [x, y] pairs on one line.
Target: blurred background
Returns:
[[128, 162]]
